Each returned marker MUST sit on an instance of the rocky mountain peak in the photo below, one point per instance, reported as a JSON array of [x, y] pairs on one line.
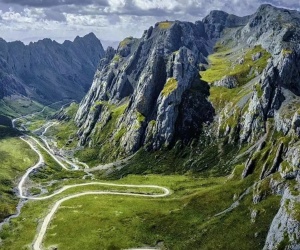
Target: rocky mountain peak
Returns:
[[218, 20], [275, 28], [88, 39], [216, 16], [91, 36]]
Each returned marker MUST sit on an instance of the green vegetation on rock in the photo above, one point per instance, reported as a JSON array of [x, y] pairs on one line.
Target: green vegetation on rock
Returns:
[[15, 157], [296, 211], [170, 86], [165, 25], [65, 132], [287, 52], [259, 90], [117, 58], [220, 96], [140, 117], [126, 41], [239, 64], [101, 149], [72, 110], [120, 133]]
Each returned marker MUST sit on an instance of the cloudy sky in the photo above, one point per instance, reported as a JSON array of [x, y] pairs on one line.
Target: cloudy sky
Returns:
[[30, 20]]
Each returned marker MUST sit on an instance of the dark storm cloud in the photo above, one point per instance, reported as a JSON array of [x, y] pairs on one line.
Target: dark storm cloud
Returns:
[[54, 15], [129, 9], [113, 19], [50, 3], [156, 12], [150, 7]]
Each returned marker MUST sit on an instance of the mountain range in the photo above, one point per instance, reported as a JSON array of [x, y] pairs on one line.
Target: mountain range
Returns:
[[218, 97], [46, 71]]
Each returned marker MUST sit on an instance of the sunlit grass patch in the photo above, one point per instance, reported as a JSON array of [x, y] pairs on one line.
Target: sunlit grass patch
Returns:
[[16, 156], [170, 86], [238, 64], [165, 25]]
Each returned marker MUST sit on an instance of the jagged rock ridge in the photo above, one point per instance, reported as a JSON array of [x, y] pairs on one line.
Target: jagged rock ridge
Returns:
[[154, 73], [47, 71]]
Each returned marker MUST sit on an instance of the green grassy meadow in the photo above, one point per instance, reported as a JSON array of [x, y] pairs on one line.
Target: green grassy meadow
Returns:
[[16, 156], [183, 220], [17, 107], [225, 63]]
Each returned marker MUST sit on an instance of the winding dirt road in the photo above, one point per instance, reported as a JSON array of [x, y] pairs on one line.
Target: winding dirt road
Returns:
[[50, 153], [71, 163], [37, 244], [39, 164]]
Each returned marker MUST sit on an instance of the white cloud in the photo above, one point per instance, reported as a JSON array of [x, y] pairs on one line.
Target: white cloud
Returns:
[[86, 20], [166, 4], [115, 5]]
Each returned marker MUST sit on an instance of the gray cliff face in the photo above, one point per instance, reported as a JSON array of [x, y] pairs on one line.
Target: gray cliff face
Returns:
[[47, 71], [277, 31], [217, 21], [285, 226], [152, 74], [278, 82]]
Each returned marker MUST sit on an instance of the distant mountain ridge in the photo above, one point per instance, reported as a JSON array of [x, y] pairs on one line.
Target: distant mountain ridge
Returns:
[[47, 71]]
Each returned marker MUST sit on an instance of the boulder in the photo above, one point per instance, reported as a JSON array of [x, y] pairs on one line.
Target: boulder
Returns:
[[227, 82]]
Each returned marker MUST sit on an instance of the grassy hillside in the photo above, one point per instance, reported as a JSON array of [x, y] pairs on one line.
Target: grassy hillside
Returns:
[[16, 156], [239, 64], [17, 107]]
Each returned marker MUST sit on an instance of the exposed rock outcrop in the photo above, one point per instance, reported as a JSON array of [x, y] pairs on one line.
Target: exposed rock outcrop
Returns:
[[285, 228], [249, 168], [227, 81], [277, 31], [218, 20], [275, 165]]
